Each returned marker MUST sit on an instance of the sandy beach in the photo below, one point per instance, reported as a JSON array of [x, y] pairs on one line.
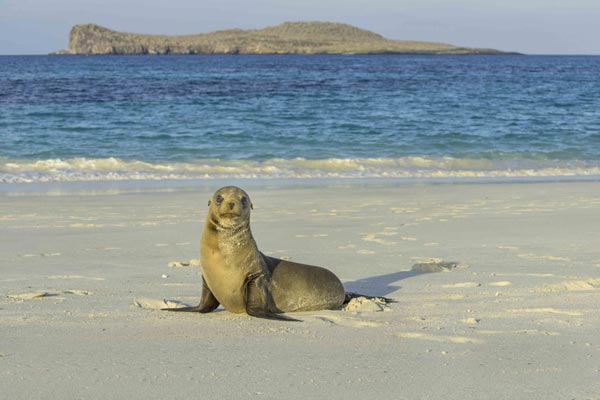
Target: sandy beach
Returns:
[[83, 271]]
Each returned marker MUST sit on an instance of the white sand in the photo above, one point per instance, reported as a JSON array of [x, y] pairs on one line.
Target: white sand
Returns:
[[517, 318]]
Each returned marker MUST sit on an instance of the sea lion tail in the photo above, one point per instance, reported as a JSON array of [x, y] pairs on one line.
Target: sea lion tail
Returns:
[[352, 295]]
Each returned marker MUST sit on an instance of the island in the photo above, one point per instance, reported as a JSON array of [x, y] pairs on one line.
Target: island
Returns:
[[287, 38]]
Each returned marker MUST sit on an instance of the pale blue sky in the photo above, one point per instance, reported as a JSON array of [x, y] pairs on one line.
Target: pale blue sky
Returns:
[[528, 26]]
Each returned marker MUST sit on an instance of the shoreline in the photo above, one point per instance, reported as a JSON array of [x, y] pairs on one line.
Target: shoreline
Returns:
[[192, 184], [113, 169]]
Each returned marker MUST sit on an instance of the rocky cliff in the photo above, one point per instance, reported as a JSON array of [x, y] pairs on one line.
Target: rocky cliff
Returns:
[[287, 38]]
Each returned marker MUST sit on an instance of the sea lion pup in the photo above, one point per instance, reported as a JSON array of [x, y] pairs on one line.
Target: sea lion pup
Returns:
[[242, 279]]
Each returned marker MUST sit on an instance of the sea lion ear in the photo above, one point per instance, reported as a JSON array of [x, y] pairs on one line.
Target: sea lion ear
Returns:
[[209, 203], [251, 206]]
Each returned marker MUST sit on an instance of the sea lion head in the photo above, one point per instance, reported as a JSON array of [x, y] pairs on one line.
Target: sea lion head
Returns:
[[229, 207]]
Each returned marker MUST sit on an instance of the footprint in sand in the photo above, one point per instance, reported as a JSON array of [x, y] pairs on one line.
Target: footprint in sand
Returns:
[[531, 256], [31, 296], [408, 239], [179, 284], [81, 225], [436, 338], [351, 322], [314, 235], [462, 285], [545, 310], [517, 332], [403, 210], [427, 265], [78, 292], [157, 304], [509, 248], [179, 264], [572, 286], [102, 248], [43, 295], [92, 278], [500, 283], [41, 255], [377, 237], [365, 252], [372, 237]]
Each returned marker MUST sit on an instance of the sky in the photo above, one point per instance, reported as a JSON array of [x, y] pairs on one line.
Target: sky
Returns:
[[526, 26]]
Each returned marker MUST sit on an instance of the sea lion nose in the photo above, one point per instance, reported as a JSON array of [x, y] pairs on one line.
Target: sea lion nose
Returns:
[[231, 205]]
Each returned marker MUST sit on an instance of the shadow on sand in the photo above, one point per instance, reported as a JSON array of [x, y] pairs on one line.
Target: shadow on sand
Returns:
[[383, 285]]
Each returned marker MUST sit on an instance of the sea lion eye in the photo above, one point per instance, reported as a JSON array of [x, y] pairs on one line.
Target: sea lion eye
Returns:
[[219, 199], [244, 201]]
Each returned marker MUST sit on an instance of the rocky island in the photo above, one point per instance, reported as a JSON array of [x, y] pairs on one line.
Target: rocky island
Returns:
[[287, 38]]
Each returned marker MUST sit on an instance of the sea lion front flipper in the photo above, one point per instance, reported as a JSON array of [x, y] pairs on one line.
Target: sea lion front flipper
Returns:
[[253, 309], [208, 302]]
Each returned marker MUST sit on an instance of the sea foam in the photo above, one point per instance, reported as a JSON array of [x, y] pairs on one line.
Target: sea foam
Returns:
[[114, 169]]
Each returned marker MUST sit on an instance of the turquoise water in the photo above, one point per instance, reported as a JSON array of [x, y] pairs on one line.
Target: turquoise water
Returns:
[[178, 117]]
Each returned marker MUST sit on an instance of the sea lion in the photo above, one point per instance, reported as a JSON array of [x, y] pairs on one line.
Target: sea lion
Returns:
[[242, 279]]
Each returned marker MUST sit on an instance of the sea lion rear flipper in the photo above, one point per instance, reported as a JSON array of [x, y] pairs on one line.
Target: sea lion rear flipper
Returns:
[[268, 315], [257, 310], [208, 302]]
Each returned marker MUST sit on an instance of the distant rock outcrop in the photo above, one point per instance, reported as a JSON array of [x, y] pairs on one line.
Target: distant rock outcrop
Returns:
[[287, 38]]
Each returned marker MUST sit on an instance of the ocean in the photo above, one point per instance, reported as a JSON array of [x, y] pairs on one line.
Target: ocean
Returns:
[[109, 118]]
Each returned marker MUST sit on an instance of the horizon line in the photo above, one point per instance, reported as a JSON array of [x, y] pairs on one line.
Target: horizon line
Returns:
[[317, 54]]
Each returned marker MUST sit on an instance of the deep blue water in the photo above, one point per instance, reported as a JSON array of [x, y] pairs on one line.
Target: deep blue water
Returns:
[[89, 117]]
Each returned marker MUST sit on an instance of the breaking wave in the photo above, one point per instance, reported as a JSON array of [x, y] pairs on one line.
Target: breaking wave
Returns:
[[114, 169]]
